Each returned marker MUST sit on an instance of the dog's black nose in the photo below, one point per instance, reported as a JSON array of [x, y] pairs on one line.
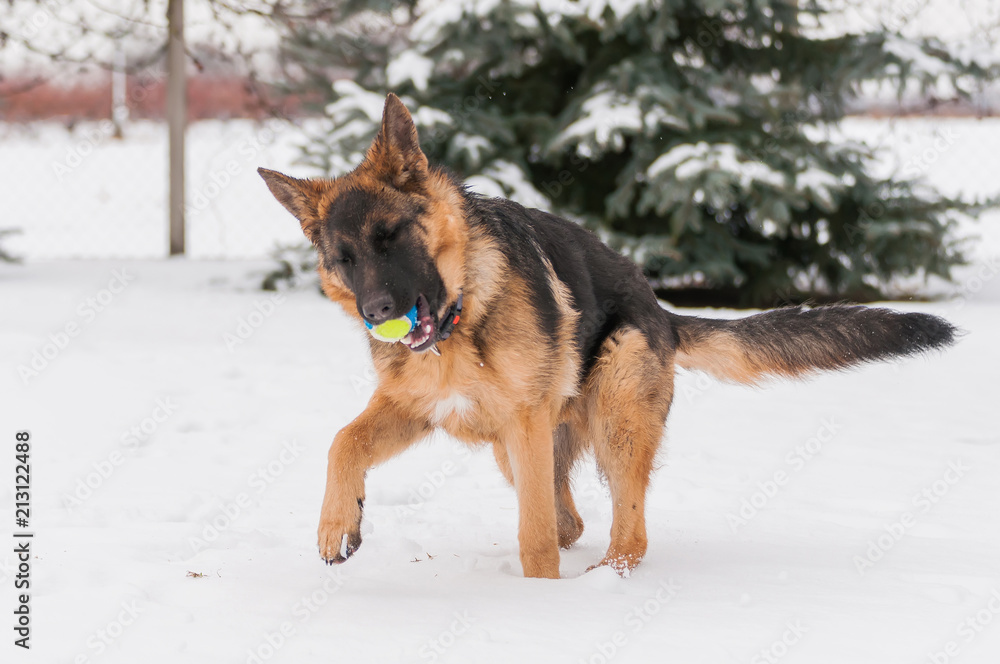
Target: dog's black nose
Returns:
[[377, 308]]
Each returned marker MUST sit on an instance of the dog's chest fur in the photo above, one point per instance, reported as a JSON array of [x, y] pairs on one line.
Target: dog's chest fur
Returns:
[[455, 406], [448, 392]]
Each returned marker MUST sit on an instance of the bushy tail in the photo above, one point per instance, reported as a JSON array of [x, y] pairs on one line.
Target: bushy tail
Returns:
[[797, 341]]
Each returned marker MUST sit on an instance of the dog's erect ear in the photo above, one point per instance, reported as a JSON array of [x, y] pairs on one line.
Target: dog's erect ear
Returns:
[[299, 197], [396, 152]]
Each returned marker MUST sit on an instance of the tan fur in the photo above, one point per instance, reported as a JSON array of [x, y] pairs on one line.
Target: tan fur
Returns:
[[379, 433], [565, 381], [722, 356], [518, 397], [504, 381], [622, 412]]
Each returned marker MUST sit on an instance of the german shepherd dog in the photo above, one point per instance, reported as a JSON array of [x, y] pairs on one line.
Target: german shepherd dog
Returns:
[[546, 343]]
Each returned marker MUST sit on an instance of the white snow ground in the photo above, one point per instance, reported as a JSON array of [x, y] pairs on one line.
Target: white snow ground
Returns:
[[229, 485]]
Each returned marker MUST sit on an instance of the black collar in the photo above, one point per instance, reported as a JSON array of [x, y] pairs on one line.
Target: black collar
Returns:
[[450, 320]]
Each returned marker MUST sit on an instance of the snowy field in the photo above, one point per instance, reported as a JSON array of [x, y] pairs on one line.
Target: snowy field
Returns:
[[849, 519], [163, 447], [180, 420]]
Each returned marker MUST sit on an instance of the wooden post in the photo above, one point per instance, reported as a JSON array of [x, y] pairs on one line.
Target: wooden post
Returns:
[[119, 88], [176, 121]]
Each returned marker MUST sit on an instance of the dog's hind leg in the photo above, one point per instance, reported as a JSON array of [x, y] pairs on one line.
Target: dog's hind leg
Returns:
[[628, 394]]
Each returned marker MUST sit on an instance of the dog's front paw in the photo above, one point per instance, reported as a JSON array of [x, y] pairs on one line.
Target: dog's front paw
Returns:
[[340, 533], [336, 543]]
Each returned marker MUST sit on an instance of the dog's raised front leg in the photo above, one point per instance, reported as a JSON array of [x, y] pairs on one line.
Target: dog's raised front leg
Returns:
[[380, 432]]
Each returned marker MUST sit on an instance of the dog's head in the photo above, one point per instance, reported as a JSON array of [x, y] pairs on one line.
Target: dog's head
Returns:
[[390, 234]]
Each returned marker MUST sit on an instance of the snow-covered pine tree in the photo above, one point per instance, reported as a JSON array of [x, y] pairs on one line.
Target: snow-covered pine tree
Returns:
[[694, 135]]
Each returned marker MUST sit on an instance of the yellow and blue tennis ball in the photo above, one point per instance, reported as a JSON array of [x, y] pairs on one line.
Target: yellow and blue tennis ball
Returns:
[[393, 330]]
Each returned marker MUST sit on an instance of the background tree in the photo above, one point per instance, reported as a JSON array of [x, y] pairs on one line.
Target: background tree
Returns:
[[697, 136]]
